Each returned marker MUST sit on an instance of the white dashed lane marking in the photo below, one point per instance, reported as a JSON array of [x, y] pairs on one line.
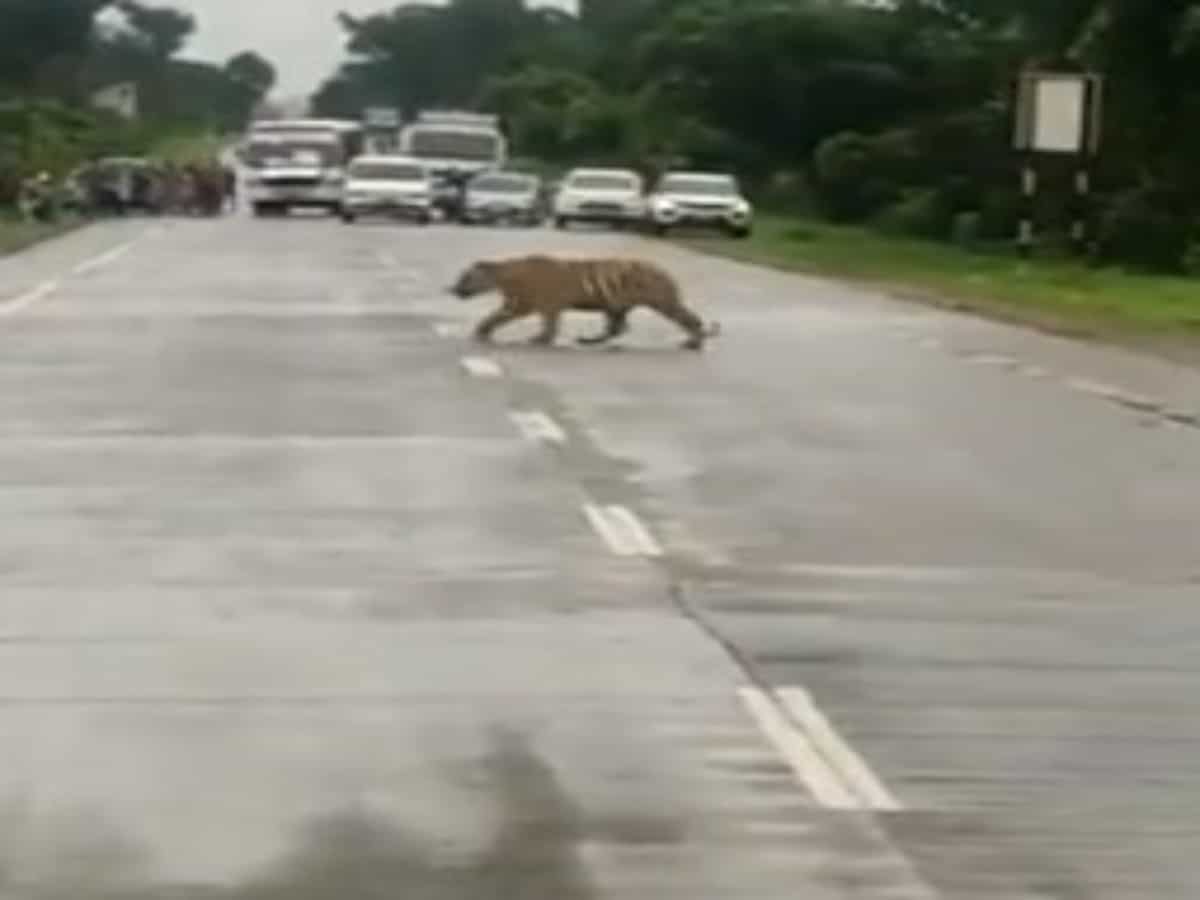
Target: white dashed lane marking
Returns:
[[622, 531], [810, 768], [23, 301], [821, 759], [482, 367], [851, 767], [104, 259], [538, 427]]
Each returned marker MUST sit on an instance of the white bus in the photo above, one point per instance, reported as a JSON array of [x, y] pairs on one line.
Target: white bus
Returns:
[[299, 163], [455, 146]]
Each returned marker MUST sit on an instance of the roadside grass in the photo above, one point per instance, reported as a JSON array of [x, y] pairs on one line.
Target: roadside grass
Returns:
[[1059, 296], [16, 235]]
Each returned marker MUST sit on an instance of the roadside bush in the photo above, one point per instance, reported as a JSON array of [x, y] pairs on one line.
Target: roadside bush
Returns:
[[966, 231], [852, 181], [922, 213], [1141, 227], [999, 214], [786, 192]]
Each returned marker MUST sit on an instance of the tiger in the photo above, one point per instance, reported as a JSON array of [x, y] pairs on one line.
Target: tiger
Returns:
[[549, 286]]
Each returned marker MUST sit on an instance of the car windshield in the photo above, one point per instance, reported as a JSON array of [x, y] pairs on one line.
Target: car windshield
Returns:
[[601, 182], [475, 146], [386, 171], [505, 184], [703, 186], [294, 152]]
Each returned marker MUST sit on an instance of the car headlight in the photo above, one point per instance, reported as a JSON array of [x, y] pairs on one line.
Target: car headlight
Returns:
[[334, 177], [741, 209]]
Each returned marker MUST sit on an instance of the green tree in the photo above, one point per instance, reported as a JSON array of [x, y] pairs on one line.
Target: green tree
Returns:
[[163, 30]]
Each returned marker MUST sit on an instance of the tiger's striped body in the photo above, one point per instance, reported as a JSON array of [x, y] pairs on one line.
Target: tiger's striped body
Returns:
[[548, 287]]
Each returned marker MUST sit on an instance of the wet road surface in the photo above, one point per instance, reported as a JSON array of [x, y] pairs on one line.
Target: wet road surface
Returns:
[[303, 595]]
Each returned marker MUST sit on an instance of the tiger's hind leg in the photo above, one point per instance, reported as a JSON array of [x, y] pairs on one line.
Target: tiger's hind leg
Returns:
[[688, 321], [618, 324]]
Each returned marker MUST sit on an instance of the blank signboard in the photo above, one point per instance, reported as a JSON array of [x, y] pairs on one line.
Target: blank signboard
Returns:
[[1059, 111]]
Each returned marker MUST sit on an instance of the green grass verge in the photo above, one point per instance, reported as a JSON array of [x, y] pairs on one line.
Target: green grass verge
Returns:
[[16, 236], [1057, 296]]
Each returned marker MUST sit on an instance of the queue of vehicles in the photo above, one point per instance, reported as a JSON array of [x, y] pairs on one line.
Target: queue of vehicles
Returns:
[[453, 166]]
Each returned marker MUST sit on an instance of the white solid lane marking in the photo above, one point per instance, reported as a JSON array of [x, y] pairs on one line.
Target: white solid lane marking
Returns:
[[810, 768], [1036, 372], [1115, 395], [622, 531], [387, 258], [992, 359], [1096, 388], [481, 367], [852, 768], [23, 301], [537, 426], [448, 330]]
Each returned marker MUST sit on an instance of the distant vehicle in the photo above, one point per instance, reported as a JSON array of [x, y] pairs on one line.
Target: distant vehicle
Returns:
[[455, 146], [503, 197], [395, 186], [298, 170], [700, 199], [609, 196], [351, 134], [299, 163]]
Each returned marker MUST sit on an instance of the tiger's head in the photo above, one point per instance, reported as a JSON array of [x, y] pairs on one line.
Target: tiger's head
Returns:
[[478, 279]]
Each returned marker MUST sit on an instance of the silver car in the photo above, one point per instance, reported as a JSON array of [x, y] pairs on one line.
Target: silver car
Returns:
[[503, 198]]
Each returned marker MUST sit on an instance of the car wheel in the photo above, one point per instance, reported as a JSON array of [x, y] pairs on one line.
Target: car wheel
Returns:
[[348, 217], [561, 222], [424, 220], [662, 230]]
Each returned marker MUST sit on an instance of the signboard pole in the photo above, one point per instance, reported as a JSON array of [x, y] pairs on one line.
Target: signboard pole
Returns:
[[1057, 114], [1027, 234]]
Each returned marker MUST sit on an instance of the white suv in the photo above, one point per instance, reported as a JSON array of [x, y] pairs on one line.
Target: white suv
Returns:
[[609, 196], [388, 185], [700, 199]]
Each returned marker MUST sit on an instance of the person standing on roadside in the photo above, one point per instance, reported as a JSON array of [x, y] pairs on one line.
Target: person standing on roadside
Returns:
[[230, 178]]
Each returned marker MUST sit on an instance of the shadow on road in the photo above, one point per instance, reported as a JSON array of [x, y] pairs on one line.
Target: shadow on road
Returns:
[[343, 855]]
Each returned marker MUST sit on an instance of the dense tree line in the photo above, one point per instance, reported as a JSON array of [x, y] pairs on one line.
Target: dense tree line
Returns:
[[897, 113], [54, 54]]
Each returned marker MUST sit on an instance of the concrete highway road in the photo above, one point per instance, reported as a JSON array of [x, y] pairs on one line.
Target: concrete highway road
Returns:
[[304, 595]]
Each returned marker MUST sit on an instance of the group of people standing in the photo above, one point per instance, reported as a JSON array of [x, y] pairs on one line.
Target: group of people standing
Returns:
[[119, 187], [190, 189]]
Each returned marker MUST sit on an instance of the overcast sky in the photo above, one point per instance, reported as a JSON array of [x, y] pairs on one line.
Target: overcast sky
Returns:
[[300, 36]]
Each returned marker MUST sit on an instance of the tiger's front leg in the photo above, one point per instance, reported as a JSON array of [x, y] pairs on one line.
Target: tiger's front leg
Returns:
[[501, 317], [549, 333]]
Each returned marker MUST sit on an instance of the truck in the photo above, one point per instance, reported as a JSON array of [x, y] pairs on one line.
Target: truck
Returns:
[[299, 163], [455, 146]]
